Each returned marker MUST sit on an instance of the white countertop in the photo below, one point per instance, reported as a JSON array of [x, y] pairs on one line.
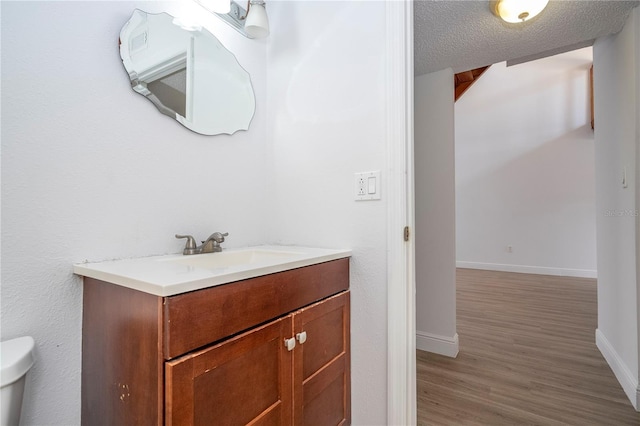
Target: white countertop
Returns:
[[173, 274]]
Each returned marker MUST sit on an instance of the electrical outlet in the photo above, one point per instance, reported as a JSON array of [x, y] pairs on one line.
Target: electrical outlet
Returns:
[[360, 186], [367, 186]]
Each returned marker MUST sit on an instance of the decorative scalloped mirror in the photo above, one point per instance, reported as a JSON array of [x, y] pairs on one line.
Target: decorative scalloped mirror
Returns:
[[187, 74]]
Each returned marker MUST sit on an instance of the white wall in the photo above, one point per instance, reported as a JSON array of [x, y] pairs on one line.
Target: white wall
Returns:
[[435, 214], [91, 170], [525, 169], [326, 97], [617, 138]]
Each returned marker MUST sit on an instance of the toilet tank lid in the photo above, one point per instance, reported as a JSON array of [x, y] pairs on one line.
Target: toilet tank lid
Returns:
[[16, 358]]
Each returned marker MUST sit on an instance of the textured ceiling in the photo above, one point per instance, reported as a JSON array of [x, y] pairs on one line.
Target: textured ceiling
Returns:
[[465, 34]]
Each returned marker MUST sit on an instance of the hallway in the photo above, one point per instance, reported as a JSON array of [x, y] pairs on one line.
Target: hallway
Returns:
[[527, 356]]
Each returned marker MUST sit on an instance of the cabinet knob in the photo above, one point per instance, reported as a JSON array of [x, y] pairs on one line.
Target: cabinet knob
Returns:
[[290, 344], [301, 337]]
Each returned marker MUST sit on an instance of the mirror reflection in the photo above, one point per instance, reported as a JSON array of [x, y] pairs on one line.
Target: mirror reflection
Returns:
[[187, 74]]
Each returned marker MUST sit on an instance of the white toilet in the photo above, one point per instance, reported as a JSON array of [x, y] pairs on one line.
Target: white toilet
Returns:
[[17, 359]]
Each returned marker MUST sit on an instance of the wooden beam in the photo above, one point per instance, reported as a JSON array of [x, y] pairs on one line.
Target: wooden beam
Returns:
[[465, 79]]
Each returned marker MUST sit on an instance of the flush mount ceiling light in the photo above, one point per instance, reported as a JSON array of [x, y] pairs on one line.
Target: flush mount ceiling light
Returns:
[[252, 22], [515, 11]]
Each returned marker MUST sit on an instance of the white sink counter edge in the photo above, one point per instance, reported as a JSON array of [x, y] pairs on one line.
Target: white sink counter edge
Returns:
[[166, 276]]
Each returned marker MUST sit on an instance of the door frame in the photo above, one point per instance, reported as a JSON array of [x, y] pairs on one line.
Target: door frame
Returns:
[[401, 317]]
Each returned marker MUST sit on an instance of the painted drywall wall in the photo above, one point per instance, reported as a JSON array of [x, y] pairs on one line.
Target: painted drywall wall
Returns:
[[617, 139], [326, 121], [435, 213], [92, 171], [525, 169]]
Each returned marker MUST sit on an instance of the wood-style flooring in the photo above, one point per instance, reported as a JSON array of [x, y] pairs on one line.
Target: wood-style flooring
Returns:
[[527, 357]]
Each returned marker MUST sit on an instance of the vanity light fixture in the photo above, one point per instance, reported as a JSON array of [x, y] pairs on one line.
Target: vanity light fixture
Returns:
[[257, 23], [216, 6], [252, 22], [516, 11]]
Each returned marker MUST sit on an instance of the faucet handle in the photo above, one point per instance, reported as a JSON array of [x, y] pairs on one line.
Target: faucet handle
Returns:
[[190, 246], [218, 237]]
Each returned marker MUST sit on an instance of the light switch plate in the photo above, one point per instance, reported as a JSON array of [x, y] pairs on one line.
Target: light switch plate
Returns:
[[367, 186]]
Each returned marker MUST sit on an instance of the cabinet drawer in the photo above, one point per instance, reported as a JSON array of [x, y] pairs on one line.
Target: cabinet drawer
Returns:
[[196, 319]]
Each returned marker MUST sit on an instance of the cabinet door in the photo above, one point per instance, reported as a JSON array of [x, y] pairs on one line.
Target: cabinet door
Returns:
[[322, 394], [246, 379]]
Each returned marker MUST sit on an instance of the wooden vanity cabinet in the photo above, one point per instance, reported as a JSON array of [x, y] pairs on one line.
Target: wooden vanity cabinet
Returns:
[[146, 359], [254, 379]]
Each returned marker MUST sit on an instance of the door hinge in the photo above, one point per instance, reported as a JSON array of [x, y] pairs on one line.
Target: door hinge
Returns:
[[406, 233]]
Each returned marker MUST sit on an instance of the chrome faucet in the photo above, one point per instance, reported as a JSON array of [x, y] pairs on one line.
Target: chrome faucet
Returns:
[[211, 245]]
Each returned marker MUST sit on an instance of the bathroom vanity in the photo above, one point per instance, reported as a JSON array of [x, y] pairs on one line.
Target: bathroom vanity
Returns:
[[271, 348]]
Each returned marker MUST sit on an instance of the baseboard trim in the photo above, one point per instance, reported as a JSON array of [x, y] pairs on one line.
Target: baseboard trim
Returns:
[[540, 270], [625, 378], [442, 345]]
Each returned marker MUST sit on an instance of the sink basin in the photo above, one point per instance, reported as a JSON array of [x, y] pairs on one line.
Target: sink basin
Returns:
[[173, 274], [228, 259]]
